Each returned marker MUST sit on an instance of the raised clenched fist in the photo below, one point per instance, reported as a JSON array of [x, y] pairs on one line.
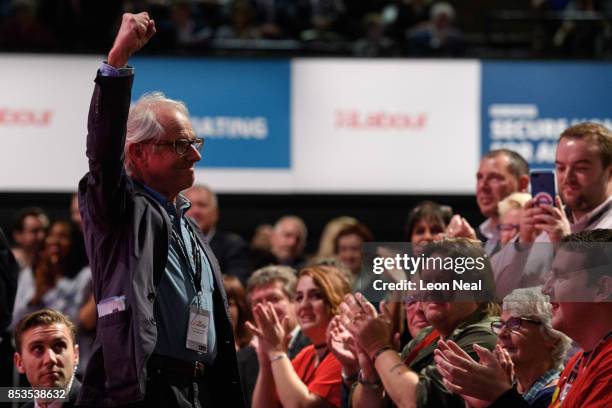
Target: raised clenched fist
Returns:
[[136, 30]]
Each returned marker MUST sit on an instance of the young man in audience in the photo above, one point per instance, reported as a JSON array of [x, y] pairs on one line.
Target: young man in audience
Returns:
[[584, 172], [47, 353], [580, 289]]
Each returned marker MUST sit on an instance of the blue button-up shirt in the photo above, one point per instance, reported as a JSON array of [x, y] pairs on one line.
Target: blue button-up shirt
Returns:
[[176, 292]]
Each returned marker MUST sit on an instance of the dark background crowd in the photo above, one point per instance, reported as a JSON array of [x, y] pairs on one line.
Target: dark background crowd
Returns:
[[297, 259], [363, 28]]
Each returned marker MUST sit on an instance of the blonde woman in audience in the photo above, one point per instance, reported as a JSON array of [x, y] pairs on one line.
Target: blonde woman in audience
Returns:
[[330, 231], [510, 211]]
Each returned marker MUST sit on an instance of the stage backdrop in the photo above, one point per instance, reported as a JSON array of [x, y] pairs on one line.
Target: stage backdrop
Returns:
[[309, 125]]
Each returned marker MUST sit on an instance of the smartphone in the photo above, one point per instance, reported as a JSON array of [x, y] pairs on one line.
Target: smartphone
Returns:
[[543, 186]]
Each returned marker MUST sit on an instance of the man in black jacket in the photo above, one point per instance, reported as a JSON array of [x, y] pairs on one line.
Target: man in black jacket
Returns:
[[9, 269], [164, 335]]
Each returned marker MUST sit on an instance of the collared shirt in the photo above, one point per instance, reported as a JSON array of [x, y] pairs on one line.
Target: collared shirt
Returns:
[[599, 217], [176, 291], [541, 384], [491, 234]]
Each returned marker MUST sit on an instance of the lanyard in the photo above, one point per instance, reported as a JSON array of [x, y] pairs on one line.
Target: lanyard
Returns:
[[196, 265], [563, 389]]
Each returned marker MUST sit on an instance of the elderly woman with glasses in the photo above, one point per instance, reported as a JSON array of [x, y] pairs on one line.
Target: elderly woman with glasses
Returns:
[[536, 350]]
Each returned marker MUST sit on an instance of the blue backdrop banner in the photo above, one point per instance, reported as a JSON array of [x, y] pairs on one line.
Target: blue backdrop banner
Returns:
[[241, 108], [525, 106]]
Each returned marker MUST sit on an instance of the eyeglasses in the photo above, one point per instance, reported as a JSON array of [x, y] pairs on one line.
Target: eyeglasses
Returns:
[[512, 324], [507, 227], [180, 145]]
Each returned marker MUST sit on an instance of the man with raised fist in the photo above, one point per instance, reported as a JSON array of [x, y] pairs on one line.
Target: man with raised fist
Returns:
[[164, 334]]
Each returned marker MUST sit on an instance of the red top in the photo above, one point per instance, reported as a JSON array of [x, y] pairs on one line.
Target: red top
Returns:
[[592, 385], [325, 380]]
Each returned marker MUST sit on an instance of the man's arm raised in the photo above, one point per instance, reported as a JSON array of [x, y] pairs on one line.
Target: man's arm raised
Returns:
[[105, 187]]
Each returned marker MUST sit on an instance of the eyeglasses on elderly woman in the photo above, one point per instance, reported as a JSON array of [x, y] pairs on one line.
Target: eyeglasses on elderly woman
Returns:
[[513, 324]]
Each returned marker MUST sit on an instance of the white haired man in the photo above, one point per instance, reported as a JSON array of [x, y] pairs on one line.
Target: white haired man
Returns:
[[164, 336]]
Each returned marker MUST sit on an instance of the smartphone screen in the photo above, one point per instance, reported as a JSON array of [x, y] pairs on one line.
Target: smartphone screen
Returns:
[[543, 186]]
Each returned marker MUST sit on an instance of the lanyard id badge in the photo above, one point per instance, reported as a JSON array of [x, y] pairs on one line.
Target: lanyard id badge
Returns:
[[197, 330]]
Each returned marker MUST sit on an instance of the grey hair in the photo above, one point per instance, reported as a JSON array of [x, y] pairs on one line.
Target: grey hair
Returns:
[[300, 223], [274, 273], [143, 123], [204, 187], [530, 302]]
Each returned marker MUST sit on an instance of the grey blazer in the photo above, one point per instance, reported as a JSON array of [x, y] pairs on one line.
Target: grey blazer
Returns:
[[127, 235]]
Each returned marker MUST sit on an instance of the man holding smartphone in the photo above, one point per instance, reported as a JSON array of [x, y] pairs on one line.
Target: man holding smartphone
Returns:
[[583, 169]]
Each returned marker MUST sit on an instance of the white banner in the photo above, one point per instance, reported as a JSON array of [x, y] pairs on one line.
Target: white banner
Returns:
[[386, 126], [43, 120]]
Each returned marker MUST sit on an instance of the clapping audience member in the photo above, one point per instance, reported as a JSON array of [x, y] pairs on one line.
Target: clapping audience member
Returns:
[[273, 285], [29, 231], [49, 284], [580, 289], [239, 311], [412, 379], [312, 378], [47, 353], [535, 348], [415, 316]]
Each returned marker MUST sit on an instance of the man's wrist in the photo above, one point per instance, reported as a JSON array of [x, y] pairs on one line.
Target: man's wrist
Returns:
[[117, 59]]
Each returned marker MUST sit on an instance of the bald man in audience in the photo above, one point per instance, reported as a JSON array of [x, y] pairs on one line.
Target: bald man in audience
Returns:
[[288, 241], [231, 250]]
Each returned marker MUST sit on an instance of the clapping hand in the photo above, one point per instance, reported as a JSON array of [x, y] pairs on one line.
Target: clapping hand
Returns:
[[272, 334], [478, 383]]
